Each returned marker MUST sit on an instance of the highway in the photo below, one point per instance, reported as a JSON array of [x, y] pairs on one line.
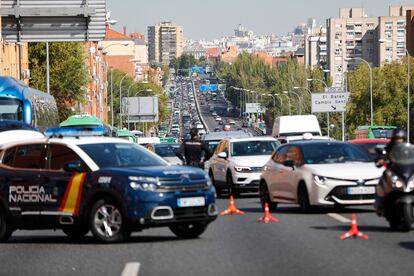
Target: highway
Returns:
[[233, 245]]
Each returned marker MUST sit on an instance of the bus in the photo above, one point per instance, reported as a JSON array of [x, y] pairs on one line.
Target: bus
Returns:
[[371, 132], [22, 103]]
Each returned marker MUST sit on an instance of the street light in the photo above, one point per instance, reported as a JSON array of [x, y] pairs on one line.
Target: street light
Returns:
[[120, 100], [290, 106], [408, 86], [299, 101], [370, 84]]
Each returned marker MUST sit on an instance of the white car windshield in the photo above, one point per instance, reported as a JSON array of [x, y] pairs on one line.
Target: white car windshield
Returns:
[[121, 155], [246, 148], [329, 153]]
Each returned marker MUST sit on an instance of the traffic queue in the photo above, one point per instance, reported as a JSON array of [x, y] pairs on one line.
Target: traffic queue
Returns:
[[75, 179]]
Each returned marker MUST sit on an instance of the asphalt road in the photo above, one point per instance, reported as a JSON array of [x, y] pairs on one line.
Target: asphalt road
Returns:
[[233, 245]]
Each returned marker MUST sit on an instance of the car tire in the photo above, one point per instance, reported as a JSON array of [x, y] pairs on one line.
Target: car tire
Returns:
[[303, 198], [230, 184], [188, 230], [5, 228], [107, 221], [218, 189], [75, 232], [264, 196]]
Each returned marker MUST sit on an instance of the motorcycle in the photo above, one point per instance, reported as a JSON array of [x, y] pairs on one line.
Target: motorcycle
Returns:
[[395, 191]]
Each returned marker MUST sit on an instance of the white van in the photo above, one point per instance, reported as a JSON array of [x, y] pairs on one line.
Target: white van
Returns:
[[293, 128]]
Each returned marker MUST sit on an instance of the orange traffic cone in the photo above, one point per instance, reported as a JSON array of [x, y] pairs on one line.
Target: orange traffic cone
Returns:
[[232, 209], [267, 217], [353, 232]]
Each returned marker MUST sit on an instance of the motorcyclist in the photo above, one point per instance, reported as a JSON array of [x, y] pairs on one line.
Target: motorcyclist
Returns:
[[194, 151], [399, 137]]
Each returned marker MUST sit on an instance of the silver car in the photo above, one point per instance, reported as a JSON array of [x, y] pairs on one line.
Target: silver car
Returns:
[[318, 173]]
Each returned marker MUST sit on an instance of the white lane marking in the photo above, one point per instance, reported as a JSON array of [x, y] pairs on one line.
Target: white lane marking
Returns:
[[131, 269], [339, 217]]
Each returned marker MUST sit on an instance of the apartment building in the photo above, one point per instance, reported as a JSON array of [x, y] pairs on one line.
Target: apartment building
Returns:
[[392, 34], [354, 36], [316, 48], [165, 42]]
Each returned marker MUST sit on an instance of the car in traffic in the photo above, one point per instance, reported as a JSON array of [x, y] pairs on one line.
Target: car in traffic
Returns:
[[236, 164], [232, 122], [318, 173], [226, 127], [167, 152], [108, 186], [369, 145]]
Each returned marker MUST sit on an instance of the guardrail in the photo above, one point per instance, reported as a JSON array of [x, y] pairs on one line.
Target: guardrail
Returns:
[[198, 108]]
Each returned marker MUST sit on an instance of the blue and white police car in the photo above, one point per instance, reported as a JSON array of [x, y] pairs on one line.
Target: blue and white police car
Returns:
[[109, 186]]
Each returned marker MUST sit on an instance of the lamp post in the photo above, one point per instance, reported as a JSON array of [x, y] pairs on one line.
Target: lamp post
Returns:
[[102, 49], [120, 100], [408, 86], [370, 84], [299, 101], [290, 106]]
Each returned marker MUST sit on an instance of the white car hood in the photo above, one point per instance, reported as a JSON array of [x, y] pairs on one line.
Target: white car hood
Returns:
[[347, 171], [251, 161]]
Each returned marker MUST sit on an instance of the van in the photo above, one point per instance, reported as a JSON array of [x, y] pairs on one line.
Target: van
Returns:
[[288, 128]]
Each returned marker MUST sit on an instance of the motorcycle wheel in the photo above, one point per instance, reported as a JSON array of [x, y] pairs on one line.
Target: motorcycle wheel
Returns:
[[407, 210]]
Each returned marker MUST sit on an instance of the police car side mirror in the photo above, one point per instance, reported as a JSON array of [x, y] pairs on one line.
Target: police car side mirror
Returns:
[[222, 155], [74, 166]]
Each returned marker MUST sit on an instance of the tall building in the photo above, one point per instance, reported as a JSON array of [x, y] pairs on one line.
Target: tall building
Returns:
[[392, 34], [355, 36], [315, 48], [351, 35], [165, 42]]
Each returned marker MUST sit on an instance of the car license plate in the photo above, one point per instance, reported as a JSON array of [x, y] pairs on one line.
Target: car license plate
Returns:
[[191, 201], [361, 190]]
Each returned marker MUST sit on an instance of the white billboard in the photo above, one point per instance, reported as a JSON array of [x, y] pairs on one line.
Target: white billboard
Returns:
[[140, 109]]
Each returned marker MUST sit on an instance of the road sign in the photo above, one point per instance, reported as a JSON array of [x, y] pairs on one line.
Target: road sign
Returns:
[[208, 87], [53, 20], [329, 102], [222, 87], [197, 70], [255, 108]]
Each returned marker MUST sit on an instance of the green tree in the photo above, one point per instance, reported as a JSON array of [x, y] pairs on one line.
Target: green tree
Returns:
[[68, 72]]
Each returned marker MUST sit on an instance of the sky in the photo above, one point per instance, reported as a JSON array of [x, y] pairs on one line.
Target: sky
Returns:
[[211, 19]]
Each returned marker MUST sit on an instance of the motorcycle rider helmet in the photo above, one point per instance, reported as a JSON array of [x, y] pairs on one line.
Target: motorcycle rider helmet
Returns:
[[399, 134]]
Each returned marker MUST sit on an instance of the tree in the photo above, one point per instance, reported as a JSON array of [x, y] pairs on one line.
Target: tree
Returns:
[[68, 72]]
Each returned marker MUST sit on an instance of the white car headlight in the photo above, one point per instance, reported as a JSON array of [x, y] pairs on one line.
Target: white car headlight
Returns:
[[242, 169], [319, 179]]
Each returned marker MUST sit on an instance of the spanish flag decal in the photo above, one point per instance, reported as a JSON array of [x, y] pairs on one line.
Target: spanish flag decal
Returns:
[[71, 200]]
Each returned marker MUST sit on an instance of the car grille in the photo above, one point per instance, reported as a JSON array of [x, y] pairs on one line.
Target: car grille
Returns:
[[256, 169], [190, 184], [190, 213], [340, 192]]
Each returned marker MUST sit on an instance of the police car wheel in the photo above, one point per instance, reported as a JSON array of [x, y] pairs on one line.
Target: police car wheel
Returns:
[[107, 221], [76, 233], [5, 228], [188, 230]]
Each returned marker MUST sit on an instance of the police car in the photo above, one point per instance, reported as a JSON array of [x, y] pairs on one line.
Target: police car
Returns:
[[109, 186]]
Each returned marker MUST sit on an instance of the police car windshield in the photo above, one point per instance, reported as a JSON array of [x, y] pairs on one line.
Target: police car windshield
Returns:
[[121, 155]]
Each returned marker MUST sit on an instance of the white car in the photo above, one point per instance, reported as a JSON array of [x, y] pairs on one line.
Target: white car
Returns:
[[237, 164], [313, 173], [232, 122], [218, 119]]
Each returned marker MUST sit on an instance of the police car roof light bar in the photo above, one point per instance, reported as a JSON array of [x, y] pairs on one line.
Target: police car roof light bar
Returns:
[[60, 132]]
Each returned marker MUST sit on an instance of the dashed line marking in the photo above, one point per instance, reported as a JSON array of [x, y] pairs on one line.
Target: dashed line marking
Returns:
[[339, 218], [131, 269]]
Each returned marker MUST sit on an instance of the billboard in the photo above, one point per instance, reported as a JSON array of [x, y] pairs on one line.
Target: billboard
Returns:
[[140, 109], [255, 108], [53, 20]]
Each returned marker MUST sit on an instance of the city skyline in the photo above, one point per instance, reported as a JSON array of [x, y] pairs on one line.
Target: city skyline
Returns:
[[261, 19]]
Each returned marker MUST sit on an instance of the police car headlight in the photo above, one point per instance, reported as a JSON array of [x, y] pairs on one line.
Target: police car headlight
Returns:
[[147, 184]]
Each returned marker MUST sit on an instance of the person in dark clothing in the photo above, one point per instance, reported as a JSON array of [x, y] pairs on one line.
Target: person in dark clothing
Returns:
[[399, 136], [193, 152]]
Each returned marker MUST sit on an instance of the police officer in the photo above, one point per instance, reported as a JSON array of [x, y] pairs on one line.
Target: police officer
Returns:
[[194, 151]]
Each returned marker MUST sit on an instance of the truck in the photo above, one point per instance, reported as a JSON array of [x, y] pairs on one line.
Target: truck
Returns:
[[372, 132], [297, 127]]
